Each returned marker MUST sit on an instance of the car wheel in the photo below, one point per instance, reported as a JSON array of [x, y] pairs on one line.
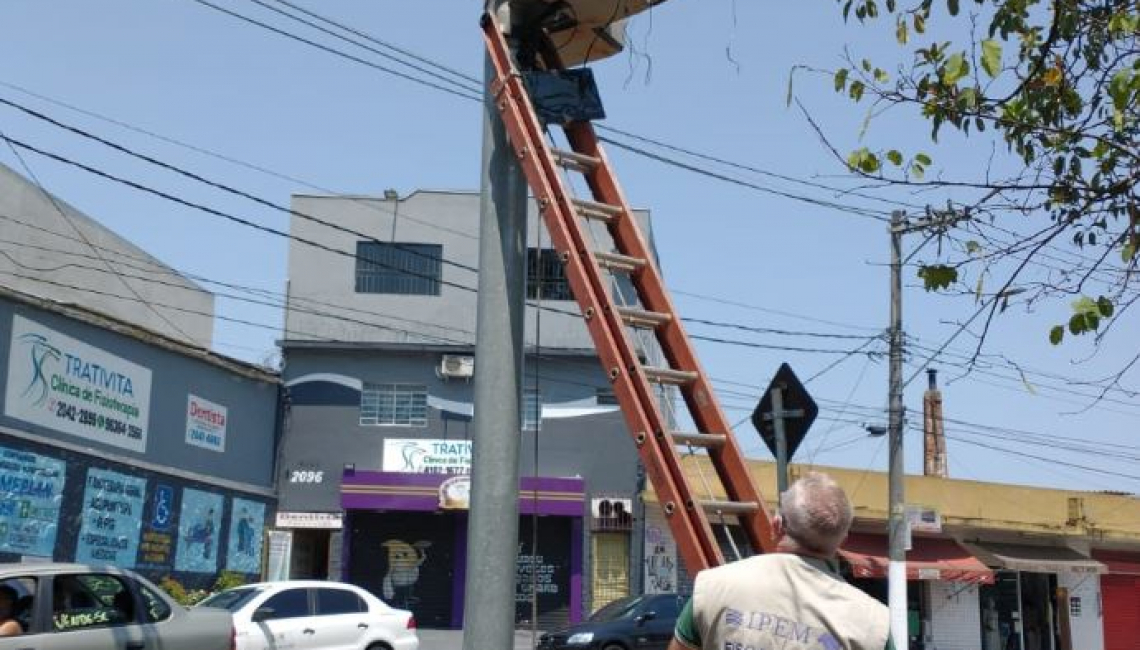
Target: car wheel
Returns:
[[614, 646], [379, 646]]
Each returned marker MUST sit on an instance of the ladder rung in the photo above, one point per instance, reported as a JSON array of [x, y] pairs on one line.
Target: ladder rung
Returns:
[[619, 262], [670, 376], [715, 506], [708, 440], [574, 160], [642, 318], [597, 211]]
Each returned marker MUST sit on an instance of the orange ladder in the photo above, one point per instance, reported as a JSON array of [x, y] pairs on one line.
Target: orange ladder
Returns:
[[633, 381]]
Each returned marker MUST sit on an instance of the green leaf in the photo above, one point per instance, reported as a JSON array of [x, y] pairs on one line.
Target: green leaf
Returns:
[[1128, 252], [895, 157], [1105, 307], [1084, 305], [856, 91], [919, 23], [881, 76], [866, 65], [901, 33], [954, 69], [917, 171], [1057, 334], [937, 276], [922, 159], [840, 79], [1077, 324], [973, 247], [991, 57], [952, 5]]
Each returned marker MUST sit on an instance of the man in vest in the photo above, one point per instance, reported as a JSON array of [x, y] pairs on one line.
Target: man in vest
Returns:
[[793, 599]]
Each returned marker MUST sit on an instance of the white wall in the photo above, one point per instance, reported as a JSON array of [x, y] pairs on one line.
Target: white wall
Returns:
[[955, 616], [1088, 625]]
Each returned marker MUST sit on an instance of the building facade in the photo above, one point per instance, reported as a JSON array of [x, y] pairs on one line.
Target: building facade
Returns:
[[991, 566], [122, 446], [379, 370]]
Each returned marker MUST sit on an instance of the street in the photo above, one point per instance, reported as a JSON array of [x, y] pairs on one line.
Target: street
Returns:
[[453, 639]]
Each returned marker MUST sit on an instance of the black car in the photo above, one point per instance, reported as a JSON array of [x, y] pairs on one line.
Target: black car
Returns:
[[630, 623]]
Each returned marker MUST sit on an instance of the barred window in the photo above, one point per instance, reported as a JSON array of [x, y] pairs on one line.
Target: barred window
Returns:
[[393, 405], [532, 410], [398, 268], [546, 276]]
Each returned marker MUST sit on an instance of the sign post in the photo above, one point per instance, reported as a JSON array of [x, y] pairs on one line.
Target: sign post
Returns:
[[783, 417]]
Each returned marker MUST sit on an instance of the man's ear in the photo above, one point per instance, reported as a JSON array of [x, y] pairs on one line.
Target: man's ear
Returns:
[[778, 527]]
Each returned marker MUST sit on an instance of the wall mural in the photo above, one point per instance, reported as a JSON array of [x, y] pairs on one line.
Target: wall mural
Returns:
[[247, 524], [31, 494], [404, 561], [199, 526]]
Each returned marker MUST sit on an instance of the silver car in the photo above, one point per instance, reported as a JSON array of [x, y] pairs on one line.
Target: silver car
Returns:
[[79, 607]]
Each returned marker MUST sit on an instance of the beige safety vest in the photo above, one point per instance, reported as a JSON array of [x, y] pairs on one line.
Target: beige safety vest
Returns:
[[780, 601]]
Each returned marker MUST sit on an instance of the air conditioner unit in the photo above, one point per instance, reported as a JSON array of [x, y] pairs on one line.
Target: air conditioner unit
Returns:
[[454, 366], [607, 508]]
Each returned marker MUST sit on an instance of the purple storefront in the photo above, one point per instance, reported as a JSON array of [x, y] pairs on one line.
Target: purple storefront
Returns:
[[405, 539]]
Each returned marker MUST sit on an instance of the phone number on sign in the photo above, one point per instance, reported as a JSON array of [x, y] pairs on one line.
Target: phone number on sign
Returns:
[[92, 419]]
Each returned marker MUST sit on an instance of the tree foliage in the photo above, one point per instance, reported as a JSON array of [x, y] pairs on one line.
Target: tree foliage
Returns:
[[1058, 84]]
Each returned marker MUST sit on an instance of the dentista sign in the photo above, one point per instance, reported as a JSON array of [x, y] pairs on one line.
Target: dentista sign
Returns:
[[63, 384]]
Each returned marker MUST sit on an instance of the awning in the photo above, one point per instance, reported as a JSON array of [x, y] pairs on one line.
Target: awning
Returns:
[[929, 559], [1036, 559]]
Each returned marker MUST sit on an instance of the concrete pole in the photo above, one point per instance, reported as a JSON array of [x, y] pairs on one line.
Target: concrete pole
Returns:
[[896, 586], [492, 530]]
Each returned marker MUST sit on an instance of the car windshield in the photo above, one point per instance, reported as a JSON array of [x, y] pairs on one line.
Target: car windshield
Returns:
[[620, 608], [231, 599]]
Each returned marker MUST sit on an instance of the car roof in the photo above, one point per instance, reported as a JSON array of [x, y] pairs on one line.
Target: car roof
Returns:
[[294, 584], [54, 568]]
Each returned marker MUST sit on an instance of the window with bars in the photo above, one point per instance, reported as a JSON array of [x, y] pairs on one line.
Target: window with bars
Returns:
[[393, 405], [546, 276], [532, 410], [398, 268]]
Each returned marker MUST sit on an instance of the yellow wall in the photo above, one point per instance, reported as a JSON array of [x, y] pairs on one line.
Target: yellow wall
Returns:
[[963, 504]]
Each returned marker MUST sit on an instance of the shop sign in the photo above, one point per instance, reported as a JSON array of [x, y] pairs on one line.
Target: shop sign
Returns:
[[922, 519], [427, 456], [333, 520], [455, 493], [63, 384], [31, 494], [279, 552], [112, 518], [926, 573], [205, 424]]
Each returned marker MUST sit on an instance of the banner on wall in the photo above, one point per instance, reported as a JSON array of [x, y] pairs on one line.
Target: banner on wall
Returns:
[[205, 424], [427, 456], [112, 517], [660, 560], [199, 525], [247, 523], [63, 384], [279, 554], [31, 494]]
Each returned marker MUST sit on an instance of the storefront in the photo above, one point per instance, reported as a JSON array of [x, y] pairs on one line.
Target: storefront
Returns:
[[1029, 606], [405, 539], [1120, 592], [942, 590]]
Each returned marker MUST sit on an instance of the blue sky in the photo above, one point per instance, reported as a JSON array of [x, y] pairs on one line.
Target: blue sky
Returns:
[[708, 75]]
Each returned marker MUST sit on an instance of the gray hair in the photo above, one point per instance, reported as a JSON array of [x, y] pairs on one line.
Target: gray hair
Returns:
[[816, 513]]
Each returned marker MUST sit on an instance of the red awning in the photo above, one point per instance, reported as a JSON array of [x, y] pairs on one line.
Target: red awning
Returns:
[[929, 559]]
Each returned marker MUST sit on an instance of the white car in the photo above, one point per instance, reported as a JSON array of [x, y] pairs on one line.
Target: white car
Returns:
[[312, 615]]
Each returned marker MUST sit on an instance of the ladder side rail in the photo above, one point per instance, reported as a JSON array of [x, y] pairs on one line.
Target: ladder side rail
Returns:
[[584, 278], [703, 405]]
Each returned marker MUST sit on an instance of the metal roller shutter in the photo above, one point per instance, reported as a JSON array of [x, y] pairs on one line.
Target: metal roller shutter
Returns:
[[1121, 597]]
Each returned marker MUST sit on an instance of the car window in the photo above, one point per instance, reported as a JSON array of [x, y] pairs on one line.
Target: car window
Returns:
[[620, 608], [16, 602], [666, 607], [157, 609], [290, 603], [231, 599], [86, 600], [339, 601]]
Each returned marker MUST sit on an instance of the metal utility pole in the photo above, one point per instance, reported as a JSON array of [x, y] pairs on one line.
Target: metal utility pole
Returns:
[[492, 530], [781, 441], [896, 585]]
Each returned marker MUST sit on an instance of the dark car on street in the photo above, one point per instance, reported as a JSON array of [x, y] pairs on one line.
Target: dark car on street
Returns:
[[632, 623]]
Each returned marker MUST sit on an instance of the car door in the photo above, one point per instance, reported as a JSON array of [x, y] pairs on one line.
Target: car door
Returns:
[[286, 622], [88, 611], [658, 619], [342, 621]]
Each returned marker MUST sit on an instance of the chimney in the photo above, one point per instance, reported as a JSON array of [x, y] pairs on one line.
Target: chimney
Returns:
[[934, 439]]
